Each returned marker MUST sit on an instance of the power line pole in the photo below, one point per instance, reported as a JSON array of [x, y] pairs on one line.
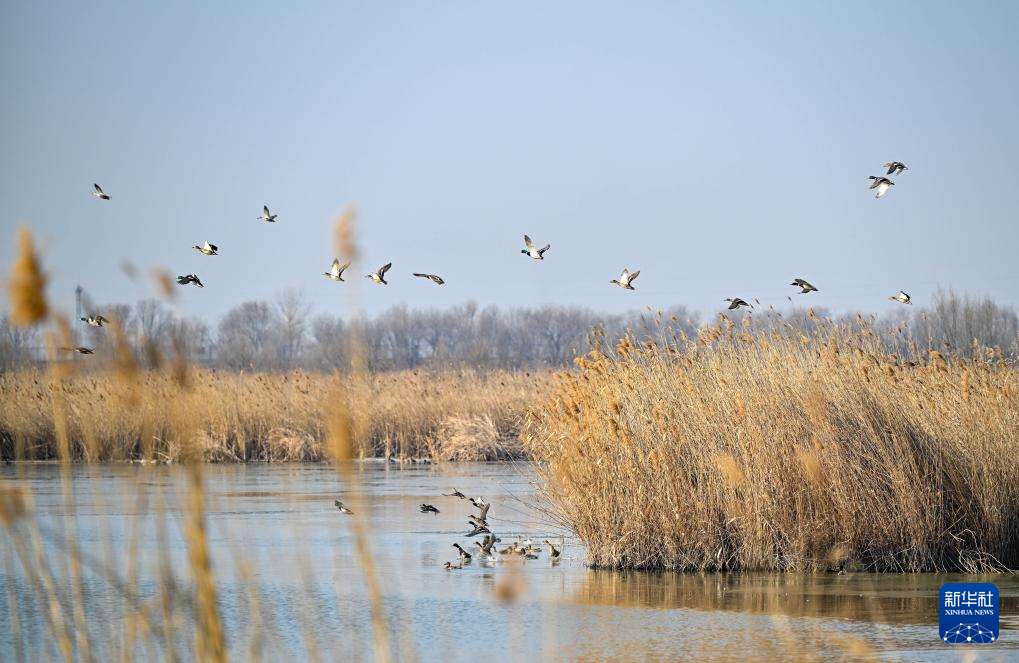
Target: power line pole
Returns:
[[78, 292]]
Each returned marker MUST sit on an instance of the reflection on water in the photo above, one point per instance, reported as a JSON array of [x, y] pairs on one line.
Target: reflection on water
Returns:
[[289, 584]]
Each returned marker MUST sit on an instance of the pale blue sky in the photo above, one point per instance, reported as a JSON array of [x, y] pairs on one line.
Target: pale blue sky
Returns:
[[720, 148]]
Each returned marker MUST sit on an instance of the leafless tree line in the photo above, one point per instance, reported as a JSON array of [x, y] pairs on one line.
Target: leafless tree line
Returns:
[[283, 335]]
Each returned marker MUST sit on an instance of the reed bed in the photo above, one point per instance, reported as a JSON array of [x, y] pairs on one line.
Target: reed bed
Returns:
[[779, 451], [269, 417]]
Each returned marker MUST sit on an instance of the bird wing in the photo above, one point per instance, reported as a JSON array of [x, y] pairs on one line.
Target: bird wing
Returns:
[[265, 210], [99, 189], [385, 268], [876, 182], [528, 243], [542, 250], [484, 511], [424, 276], [633, 277], [335, 269]]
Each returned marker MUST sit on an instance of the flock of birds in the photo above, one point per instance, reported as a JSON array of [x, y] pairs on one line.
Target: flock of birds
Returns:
[[625, 281], [487, 551]]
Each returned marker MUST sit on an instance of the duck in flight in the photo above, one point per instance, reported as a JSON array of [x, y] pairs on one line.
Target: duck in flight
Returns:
[[343, 508], [455, 493], [99, 193], [266, 216], [903, 298], [532, 251], [626, 279], [477, 529], [380, 276], [483, 505], [464, 555], [736, 302], [207, 249], [336, 271], [428, 508], [895, 167], [881, 184], [95, 320], [804, 286], [188, 279], [431, 277], [80, 350], [552, 549]]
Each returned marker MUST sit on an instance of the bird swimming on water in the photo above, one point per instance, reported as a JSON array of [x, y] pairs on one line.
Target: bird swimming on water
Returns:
[[380, 276], [533, 251], [805, 287], [336, 271], [626, 279], [736, 302], [903, 298], [207, 249], [428, 508], [431, 277], [343, 508], [99, 193], [266, 216], [881, 184], [95, 320], [190, 278], [895, 167]]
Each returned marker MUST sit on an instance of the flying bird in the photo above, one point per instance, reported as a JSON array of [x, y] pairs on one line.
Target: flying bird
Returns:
[[268, 218], [380, 276], [428, 508], [188, 279], [626, 278], [95, 320], [903, 298], [881, 184], [478, 529], [804, 286], [537, 254], [343, 508], [432, 277], [99, 193], [455, 493], [80, 350], [207, 249], [336, 271], [895, 167], [483, 506], [736, 302], [464, 555]]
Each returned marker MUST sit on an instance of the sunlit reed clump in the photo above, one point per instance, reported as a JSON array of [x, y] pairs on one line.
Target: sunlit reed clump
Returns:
[[739, 451]]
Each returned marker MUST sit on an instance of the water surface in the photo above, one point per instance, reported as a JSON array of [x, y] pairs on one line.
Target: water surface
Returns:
[[290, 585]]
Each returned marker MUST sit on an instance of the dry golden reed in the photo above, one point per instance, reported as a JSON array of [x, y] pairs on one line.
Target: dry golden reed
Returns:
[[781, 452], [27, 284], [278, 417]]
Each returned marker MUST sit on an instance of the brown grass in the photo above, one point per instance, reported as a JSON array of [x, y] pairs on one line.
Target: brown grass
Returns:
[[779, 452], [279, 417]]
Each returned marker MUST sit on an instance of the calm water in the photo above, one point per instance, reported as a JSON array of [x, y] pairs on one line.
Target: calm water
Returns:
[[289, 583]]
